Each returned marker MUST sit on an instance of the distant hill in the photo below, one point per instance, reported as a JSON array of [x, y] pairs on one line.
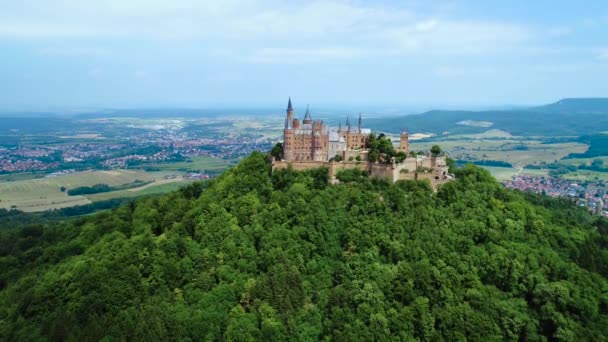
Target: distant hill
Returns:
[[577, 106], [568, 117]]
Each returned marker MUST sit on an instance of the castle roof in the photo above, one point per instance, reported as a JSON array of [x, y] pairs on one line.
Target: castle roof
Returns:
[[289, 107], [307, 115]]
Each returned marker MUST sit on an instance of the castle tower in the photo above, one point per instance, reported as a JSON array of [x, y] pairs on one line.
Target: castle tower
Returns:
[[288, 134], [289, 116], [404, 143], [307, 118], [319, 142], [360, 122]]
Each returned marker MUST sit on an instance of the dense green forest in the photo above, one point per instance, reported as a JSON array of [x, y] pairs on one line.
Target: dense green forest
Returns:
[[255, 256], [598, 146]]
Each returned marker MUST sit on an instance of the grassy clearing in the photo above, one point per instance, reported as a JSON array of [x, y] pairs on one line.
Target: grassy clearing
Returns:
[[45, 193]]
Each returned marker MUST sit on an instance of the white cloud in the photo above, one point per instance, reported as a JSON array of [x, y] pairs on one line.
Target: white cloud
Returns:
[[457, 37], [297, 56], [268, 25]]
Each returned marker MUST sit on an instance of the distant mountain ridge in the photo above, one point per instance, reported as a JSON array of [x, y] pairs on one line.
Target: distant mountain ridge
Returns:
[[597, 105], [566, 117]]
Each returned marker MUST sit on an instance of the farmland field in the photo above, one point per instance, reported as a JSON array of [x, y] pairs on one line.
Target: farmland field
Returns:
[[11, 177], [505, 173], [516, 152], [584, 175], [198, 163], [158, 187], [45, 193]]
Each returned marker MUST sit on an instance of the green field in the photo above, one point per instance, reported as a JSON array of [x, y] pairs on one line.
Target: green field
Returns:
[[585, 175], [45, 193], [12, 177], [153, 189], [586, 161], [505, 173], [202, 163], [516, 152]]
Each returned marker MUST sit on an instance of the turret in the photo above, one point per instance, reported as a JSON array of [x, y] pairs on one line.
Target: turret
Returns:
[[404, 143], [289, 116], [288, 134], [307, 118]]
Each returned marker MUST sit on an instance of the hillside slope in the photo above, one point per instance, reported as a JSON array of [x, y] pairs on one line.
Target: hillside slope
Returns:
[[251, 256]]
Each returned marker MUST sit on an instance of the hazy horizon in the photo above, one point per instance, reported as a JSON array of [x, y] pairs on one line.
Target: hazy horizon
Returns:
[[90, 55]]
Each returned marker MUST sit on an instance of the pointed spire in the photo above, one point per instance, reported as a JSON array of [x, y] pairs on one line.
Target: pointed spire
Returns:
[[289, 116], [339, 127], [360, 122], [348, 124], [307, 118], [289, 107]]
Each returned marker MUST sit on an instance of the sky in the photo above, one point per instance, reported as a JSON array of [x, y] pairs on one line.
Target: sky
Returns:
[[240, 53]]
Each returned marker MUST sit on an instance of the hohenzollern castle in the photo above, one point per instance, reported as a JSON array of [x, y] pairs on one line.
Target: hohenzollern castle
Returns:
[[311, 144]]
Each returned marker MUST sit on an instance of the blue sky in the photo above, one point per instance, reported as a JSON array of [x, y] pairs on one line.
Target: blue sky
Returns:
[[238, 53]]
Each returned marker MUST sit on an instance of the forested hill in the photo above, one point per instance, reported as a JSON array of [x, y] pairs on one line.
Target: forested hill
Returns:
[[597, 105], [567, 117], [251, 256]]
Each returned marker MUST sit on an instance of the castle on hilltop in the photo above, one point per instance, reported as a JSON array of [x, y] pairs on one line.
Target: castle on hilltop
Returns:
[[311, 144], [313, 141]]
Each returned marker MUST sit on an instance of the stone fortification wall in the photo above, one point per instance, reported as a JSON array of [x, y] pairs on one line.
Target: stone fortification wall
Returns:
[[334, 167], [407, 170]]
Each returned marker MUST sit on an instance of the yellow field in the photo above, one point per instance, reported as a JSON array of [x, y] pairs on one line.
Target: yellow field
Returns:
[[45, 193]]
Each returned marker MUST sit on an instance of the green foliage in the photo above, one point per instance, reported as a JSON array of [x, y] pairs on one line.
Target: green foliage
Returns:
[[255, 255], [487, 162], [99, 188], [352, 175], [380, 147], [277, 151], [598, 146], [337, 158], [435, 150], [86, 190]]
